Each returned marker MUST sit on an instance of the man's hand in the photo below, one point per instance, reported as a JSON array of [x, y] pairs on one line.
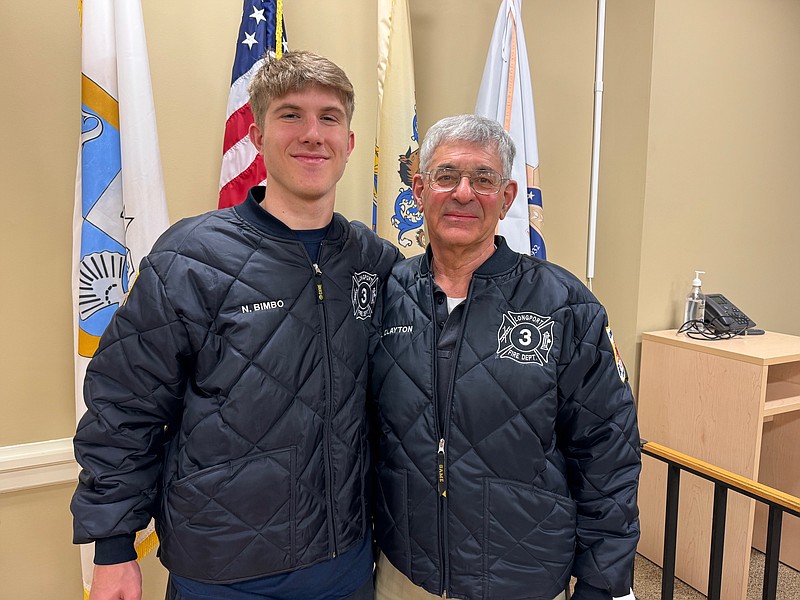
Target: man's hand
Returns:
[[584, 591], [122, 581]]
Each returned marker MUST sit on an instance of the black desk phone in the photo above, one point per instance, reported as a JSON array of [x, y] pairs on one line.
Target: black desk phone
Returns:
[[723, 316]]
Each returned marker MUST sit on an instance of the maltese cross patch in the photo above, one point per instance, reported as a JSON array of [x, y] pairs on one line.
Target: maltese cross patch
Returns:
[[364, 294], [525, 338]]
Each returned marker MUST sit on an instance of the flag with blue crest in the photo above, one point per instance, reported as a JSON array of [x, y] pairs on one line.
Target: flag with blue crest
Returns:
[[395, 216]]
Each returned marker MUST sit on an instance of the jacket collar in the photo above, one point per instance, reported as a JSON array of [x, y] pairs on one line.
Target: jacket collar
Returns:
[[503, 259], [251, 211]]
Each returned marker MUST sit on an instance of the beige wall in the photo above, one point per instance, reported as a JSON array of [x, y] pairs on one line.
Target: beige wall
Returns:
[[700, 136], [721, 186], [626, 81], [37, 558], [699, 150]]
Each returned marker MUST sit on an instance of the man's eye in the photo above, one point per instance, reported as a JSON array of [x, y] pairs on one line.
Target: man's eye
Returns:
[[445, 178], [487, 177]]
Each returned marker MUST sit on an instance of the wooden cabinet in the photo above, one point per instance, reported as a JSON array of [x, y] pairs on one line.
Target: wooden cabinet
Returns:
[[735, 404]]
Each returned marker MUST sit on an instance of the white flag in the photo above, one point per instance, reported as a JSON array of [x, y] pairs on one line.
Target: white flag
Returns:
[[507, 96], [394, 213], [120, 205]]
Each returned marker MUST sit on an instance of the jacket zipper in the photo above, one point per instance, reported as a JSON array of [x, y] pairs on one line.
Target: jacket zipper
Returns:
[[443, 434], [441, 462], [326, 436], [442, 512], [442, 478]]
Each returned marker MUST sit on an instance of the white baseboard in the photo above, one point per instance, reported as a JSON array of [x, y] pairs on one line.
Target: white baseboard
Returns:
[[37, 464]]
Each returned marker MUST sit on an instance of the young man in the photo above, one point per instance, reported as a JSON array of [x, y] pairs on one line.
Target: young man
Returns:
[[227, 398], [508, 452]]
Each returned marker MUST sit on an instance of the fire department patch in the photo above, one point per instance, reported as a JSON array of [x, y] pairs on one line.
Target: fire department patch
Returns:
[[525, 338], [364, 294], [623, 375]]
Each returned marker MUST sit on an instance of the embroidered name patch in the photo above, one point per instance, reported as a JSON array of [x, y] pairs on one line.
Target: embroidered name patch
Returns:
[[256, 306], [525, 338], [397, 330], [364, 294]]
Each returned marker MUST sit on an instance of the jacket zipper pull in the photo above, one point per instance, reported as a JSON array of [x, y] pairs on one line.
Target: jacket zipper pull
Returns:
[[442, 480], [318, 283]]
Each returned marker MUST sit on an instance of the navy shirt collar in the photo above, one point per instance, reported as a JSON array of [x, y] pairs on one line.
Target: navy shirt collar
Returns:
[[251, 211], [503, 259]]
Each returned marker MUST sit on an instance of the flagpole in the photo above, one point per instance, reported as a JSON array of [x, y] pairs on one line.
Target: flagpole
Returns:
[[597, 120]]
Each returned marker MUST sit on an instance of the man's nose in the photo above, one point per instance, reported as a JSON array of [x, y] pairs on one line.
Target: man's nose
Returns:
[[311, 131], [463, 191]]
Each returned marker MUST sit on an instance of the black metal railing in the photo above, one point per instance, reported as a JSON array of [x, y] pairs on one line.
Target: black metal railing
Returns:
[[777, 501]]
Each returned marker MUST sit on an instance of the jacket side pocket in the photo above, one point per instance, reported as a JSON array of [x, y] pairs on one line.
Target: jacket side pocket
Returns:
[[232, 518], [526, 530]]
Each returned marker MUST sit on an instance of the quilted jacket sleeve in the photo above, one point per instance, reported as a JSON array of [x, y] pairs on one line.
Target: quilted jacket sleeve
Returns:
[[134, 393], [599, 437]]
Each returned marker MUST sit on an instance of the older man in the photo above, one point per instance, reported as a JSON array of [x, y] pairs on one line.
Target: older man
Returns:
[[508, 448]]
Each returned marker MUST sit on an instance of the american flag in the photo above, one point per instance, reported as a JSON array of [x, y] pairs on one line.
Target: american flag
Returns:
[[242, 167]]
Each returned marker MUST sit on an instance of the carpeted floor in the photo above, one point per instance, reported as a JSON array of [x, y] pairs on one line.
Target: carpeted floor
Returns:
[[647, 585]]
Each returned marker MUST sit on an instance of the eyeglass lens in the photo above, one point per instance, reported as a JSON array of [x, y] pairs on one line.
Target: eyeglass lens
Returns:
[[483, 182]]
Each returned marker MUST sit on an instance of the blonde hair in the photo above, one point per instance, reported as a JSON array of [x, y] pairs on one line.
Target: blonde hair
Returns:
[[294, 72]]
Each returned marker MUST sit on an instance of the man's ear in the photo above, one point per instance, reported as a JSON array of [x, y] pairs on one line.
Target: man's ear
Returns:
[[416, 188], [256, 136], [509, 193]]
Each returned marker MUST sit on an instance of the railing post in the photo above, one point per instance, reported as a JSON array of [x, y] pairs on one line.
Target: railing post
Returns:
[[670, 532], [773, 553], [717, 541]]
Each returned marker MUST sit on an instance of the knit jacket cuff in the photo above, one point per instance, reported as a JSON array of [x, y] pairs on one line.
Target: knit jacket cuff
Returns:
[[114, 550]]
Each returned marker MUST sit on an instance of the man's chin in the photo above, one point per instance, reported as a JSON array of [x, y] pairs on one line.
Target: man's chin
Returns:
[[458, 239], [314, 195]]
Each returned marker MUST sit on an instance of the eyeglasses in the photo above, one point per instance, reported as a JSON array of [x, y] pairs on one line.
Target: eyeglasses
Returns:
[[481, 182]]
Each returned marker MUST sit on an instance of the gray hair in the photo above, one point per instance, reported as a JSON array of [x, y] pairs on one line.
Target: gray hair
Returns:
[[473, 130]]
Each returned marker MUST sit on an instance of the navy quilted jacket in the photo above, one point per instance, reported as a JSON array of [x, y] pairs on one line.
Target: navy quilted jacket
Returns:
[[227, 398], [533, 475]]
